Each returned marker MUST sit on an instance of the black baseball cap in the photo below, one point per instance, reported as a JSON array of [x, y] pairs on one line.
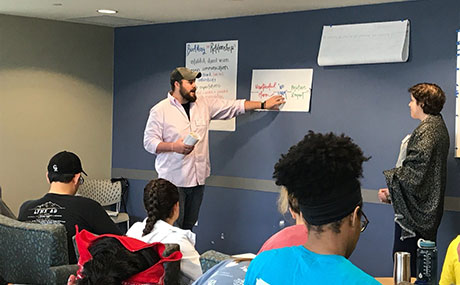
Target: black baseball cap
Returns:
[[65, 162], [180, 73]]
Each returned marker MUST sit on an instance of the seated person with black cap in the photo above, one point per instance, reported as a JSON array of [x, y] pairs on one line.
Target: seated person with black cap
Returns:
[[322, 172], [60, 205]]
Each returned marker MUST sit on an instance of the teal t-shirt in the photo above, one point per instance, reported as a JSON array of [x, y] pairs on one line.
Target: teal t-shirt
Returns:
[[298, 265]]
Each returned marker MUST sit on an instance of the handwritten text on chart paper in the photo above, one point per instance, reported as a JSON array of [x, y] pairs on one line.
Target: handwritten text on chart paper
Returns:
[[212, 60], [266, 90], [217, 62], [212, 48]]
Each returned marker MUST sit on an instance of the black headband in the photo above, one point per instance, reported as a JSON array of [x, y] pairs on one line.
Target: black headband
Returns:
[[334, 209]]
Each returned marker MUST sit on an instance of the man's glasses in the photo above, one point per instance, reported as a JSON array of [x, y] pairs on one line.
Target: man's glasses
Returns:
[[81, 180], [364, 221]]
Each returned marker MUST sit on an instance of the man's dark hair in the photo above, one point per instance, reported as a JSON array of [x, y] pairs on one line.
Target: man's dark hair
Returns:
[[112, 263], [56, 177], [320, 168], [172, 84], [430, 96]]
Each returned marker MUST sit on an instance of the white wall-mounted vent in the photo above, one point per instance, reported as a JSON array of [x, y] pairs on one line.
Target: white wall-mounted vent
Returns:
[[380, 42]]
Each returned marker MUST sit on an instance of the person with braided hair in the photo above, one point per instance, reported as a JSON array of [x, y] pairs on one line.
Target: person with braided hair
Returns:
[[161, 201]]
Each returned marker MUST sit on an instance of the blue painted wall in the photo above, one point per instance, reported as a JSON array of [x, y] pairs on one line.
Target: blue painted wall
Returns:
[[366, 102]]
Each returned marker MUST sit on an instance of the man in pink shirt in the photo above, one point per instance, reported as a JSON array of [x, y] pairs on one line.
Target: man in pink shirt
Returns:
[[180, 114]]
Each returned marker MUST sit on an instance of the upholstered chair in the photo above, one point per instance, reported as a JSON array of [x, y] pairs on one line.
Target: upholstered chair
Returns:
[[33, 253]]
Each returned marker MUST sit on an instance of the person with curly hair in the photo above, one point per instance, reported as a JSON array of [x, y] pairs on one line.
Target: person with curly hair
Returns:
[[322, 171], [161, 201], [417, 184]]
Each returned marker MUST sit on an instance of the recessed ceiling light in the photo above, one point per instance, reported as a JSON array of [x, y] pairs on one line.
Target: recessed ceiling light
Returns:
[[107, 11]]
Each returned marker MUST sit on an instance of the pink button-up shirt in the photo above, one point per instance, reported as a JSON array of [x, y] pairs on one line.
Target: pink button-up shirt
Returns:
[[168, 122]]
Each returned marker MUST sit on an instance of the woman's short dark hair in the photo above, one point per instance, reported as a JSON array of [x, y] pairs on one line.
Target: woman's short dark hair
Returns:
[[160, 196], [429, 96], [112, 263]]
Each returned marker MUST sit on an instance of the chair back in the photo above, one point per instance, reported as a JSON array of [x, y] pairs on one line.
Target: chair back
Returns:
[[103, 191], [106, 193], [4, 209], [33, 253]]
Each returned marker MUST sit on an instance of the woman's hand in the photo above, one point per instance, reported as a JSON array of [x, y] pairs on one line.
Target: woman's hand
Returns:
[[384, 195]]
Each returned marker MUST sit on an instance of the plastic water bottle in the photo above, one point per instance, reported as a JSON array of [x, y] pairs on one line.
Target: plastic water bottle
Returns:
[[427, 262]]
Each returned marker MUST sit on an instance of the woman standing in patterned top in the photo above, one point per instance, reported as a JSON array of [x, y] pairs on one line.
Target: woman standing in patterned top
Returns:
[[416, 188]]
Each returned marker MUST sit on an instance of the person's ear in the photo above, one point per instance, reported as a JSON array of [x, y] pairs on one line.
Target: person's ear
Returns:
[[176, 85], [356, 219], [176, 207], [47, 178], [293, 214], [76, 179], [175, 210]]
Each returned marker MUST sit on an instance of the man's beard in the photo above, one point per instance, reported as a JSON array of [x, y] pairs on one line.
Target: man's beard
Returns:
[[186, 95]]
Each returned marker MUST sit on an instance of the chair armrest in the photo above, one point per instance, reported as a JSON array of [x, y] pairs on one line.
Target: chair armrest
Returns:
[[211, 258], [62, 272], [172, 268]]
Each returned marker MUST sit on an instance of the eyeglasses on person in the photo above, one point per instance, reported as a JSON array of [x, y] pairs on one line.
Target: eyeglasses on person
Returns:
[[364, 220]]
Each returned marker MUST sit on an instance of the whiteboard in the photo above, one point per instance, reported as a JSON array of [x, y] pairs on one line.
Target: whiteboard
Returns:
[[293, 84], [217, 62], [379, 42]]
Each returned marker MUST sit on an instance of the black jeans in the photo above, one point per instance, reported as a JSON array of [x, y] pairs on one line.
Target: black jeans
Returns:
[[408, 245], [189, 206]]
